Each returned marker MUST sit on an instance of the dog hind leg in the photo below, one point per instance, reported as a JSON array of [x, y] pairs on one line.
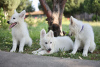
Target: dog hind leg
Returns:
[[86, 48], [30, 42]]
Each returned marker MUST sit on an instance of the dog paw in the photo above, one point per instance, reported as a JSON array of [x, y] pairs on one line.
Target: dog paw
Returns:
[[35, 52], [40, 53], [85, 54], [72, 52], [20, 51], [91, 51], [12, 50]]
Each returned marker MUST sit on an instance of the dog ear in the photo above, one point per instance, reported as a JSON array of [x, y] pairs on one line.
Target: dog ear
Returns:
[[15, 11], [22, 14], [71, 20], [51, 34], [42, 33]]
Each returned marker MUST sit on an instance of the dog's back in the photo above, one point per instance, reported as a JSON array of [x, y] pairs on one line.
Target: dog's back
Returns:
[[64, 43]]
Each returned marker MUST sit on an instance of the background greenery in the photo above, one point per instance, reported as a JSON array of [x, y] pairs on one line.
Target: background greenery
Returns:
[[72, 6], [79, 6]]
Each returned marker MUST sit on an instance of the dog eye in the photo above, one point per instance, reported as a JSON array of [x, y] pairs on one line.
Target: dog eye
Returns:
[[13, 18], [45, 42], [50, 42]]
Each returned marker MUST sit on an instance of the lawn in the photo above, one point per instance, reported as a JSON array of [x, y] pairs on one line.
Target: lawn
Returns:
[[35, 25]]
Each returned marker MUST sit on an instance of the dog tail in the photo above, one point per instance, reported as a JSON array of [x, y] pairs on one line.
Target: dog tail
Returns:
[[30, 42], [92, 46]]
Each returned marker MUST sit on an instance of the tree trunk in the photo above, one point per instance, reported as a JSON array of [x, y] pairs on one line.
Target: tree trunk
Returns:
[[54, 17]]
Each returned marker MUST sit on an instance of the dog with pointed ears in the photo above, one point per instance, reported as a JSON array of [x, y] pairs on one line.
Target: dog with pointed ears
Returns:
[[20, 34], [84, 36], [50, 44]]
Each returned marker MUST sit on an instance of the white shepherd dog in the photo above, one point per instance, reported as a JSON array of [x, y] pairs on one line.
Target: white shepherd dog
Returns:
[[50, 44], [19, 31], [84, 36]]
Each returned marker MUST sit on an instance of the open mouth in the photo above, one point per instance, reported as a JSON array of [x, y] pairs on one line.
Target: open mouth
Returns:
[[48, 50], [13, 24]]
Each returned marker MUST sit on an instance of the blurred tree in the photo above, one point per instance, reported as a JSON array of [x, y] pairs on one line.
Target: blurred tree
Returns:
[[25, 5], [50, 4], [71, 7], [9, 5], [29, 8], [74, 6], [92, 6], [54, 16]]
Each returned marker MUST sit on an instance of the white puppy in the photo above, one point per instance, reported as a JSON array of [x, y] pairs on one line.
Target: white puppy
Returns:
[[50, 44], [84, 36], [20, 32]]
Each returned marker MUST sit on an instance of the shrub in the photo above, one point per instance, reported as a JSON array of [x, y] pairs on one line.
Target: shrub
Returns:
[[94, 18], [3, 20]]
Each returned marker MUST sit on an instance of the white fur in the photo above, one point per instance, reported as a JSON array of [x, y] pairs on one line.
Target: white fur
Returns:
[[20, 34], [84, 38], [48, 41]]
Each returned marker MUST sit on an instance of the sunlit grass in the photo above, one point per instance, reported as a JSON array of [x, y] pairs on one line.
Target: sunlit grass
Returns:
[[35, 25]]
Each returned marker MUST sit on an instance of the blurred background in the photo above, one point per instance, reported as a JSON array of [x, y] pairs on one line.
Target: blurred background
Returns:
[[88, 10]]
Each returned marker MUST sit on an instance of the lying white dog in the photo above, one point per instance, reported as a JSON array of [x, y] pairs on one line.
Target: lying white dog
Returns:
[[19, 31], [50, 44], [84, 36]]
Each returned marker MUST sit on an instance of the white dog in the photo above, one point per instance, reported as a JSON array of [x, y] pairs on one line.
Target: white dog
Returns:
[[84, 36], [19, 31], [50, 44]]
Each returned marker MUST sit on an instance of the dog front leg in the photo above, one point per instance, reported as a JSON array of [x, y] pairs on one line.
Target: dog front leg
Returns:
[[36, 52], [21, 46], [14, 45], [76, 46], [86, 47], [42, 52]]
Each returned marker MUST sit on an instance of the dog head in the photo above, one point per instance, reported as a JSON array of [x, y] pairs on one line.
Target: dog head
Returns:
[[46, 40], [75, 26], [16, 18]]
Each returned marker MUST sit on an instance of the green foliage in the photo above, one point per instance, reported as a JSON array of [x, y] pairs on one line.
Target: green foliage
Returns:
[[29, 8], [88, 6], [92, 6], [94, 18], [49, 3], [3, 21], [74, 6], [71, 6], [9, 5], [25, 5]]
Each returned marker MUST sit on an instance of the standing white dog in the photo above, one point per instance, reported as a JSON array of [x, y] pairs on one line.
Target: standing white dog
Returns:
[[84, 36], [50, 44], [19, 31]]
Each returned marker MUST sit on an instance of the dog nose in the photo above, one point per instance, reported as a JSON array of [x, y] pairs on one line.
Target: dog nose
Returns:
[[49, 49], [8, 22]]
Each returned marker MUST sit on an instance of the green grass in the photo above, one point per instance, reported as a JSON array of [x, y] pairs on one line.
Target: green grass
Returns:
[[35, 26]]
